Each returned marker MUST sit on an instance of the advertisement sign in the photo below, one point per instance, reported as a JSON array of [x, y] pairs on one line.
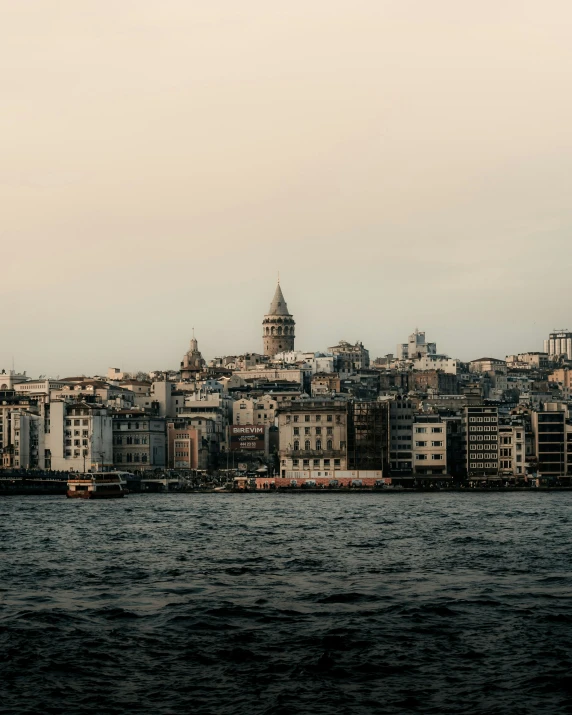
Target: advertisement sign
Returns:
[[247, 438]]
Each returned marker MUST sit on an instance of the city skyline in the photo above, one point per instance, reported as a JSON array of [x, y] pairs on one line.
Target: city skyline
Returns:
[[260, 349]]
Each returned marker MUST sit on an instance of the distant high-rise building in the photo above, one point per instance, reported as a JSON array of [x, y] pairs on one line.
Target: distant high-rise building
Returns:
[[415, 347], [278, 326], [559, 343]]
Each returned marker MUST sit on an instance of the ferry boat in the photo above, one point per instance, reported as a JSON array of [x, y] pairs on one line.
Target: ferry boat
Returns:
[[104, 485]]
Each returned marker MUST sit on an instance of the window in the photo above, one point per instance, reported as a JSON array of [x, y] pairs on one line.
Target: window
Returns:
[[296, 446], [306, 418], [296, 430], [295, 418], [306, 430], [420, 444], [306, 463], [318, 418], [295, 462], [326, 463], [437, 457], [329, 444], [329, 418], [336, 463], [421, 457], [316, 463], [421, 430], [318, 444], [318, 430], [330, 430], [307, 445], [436, 444]]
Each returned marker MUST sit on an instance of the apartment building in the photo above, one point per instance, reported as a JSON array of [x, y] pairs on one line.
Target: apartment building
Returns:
[[313, 435], [481, 446], [429, 445]]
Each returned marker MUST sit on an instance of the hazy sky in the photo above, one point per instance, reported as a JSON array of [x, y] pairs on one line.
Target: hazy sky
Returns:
[[401, 163]]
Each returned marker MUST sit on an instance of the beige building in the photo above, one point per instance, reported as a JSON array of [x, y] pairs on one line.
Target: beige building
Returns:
[[325, 384], [312, 435], [429, 445], [511, 449], [260, 411]]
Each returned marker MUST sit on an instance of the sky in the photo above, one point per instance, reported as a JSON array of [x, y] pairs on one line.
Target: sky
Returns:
[[401, 163]]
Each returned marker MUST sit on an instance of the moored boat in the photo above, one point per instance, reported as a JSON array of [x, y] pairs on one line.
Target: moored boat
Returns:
[[104, 485]]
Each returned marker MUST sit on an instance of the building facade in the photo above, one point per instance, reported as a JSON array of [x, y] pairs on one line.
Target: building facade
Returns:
[[559, 344], [482, 447], [313, 435]]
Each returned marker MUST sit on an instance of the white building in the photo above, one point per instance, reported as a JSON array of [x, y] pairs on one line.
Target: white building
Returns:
[[9, 379], [416, 347], [260, 411], [559, 343], [438, 362], [78, 437], [429, 446]]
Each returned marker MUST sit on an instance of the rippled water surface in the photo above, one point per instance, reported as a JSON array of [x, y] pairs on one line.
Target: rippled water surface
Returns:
[[287, 603]]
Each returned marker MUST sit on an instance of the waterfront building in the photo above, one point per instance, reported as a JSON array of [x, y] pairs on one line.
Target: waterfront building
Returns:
[[481, 446], [429, 445], [184, 446], [138, 440], [78, 437], [278, 326], [512, 451], [401, 418], [312, 435], [549, 426], [368, 435], [27, 445], [559, 344]]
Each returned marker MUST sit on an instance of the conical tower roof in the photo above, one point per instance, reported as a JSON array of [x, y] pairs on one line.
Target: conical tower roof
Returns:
[[278, 305]]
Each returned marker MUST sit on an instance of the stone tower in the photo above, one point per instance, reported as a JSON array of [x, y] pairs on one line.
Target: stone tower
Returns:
[[193, 363], [278, 326]]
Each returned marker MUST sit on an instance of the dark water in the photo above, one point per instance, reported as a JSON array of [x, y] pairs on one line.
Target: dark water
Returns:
[[287, 603]]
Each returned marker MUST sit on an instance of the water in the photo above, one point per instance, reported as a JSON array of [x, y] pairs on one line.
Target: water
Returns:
[[287, 603]]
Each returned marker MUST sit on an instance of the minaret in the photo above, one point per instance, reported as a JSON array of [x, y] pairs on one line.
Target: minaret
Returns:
[[278, 326]]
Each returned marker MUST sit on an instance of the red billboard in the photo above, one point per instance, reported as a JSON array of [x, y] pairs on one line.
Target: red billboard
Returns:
[[247, 438]]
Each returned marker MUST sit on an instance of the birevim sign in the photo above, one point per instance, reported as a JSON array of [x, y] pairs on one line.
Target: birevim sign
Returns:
[[247, 438]]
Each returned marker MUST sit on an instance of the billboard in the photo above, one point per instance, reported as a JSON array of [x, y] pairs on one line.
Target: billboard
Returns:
[[247, 438]]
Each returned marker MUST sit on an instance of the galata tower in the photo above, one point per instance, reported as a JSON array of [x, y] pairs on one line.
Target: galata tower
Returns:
[[278, 326]]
